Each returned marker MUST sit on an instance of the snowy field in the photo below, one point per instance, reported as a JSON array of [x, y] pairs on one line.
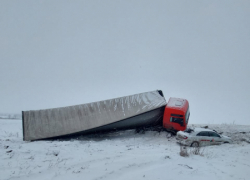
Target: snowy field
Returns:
[[121, 155]]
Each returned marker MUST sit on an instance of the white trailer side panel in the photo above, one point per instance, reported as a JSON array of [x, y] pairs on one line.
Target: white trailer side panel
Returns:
[[42, 124]]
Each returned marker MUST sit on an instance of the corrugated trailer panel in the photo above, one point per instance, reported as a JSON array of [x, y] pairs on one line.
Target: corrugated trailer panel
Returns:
[[42, 124]]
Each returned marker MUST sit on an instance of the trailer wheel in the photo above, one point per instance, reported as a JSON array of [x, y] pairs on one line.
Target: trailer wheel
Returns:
[[195, 144]]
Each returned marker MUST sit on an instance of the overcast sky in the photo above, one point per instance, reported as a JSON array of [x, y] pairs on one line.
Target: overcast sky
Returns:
[[61, 53]]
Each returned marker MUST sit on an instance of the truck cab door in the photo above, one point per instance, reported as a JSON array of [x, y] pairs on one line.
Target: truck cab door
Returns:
[[177, 120]]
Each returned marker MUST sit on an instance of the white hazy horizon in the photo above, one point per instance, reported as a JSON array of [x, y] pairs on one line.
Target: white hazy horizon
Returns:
[[63, 53]]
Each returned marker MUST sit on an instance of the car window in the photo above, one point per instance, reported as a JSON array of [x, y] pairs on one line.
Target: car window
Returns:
[[213, 134], [203, 133]]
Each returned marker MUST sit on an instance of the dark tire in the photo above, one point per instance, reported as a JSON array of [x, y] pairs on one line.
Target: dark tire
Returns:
[[195, 144], [173, 132]]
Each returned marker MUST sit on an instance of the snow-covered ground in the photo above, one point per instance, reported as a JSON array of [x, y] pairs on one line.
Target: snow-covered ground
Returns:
[[121, 155]]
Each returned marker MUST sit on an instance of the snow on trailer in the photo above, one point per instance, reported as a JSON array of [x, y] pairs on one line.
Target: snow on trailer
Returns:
[[137, 110]]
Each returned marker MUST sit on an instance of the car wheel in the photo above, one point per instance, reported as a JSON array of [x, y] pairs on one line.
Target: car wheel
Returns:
[[195, 144]]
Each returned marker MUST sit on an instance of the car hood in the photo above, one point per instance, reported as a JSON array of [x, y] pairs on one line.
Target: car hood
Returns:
[[226, 137]]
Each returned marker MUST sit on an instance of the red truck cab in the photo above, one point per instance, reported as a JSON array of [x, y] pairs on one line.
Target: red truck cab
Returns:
[[176, 114]]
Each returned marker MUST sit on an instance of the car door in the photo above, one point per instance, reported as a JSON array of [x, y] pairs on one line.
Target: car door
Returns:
[[204, 138], [215, 138]]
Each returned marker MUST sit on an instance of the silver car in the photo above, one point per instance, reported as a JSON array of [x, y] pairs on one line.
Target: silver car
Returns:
[[201, 137]]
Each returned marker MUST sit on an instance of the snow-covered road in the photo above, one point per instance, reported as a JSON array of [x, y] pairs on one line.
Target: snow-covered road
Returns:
[[120, 155]]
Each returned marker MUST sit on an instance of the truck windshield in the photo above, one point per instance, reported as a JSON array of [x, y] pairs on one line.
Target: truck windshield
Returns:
[[187, 115]]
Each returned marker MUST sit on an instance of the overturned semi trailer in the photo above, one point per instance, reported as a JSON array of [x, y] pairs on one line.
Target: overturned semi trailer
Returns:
[[144, 109]]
